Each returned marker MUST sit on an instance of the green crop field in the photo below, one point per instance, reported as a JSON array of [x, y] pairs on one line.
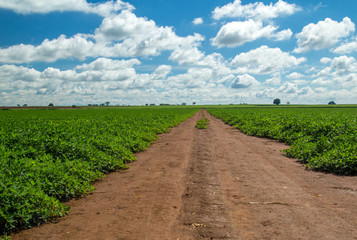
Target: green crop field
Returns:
[[52, 155], [48, 156], [325, 138]]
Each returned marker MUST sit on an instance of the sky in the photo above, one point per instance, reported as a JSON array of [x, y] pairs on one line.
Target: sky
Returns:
[[80, 52]]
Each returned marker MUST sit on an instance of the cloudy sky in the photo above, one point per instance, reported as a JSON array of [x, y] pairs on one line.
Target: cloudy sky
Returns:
[[167, 51]]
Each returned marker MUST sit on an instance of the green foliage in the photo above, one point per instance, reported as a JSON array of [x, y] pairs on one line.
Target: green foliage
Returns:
[[202, 124], [49, 156], [323, 138]]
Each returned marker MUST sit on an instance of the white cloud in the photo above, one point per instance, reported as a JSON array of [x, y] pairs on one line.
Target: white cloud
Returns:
[[288, 87], [134, 36], [108, 64], [324, 34], [187, 56], [256, 10], [348, 81], [342, 73], [197, 21], [236, 33], [12, 73], [244, 81], [344, 65], [123, 35], [161, 72], [45, 6], [100, 75], [300, 82], [274, 80], [103, 69], [265, 60], [126, 25], [295, 75], [321, 81], [77, 46], [325, 60], [319, 5], [283, 35], [346, 48], [194, 78], [321, 90]]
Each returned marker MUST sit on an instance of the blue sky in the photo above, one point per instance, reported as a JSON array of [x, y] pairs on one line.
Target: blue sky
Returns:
[[162, 51]]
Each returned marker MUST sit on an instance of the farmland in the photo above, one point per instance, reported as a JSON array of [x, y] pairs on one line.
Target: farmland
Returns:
[[48, 156], [323, 138], [51, 156]]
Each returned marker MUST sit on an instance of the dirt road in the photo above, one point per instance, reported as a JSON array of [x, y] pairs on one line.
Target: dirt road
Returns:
[[215, 183]]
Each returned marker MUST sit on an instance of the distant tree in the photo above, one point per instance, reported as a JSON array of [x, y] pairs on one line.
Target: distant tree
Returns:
[[107, 103], [276, 101], [25, 105], [287, 103], [183, 104], [194, 103], [50, 105], [331, 103]]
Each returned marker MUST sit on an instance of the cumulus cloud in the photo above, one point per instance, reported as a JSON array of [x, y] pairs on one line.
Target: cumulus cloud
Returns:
[[244, 81], [126, 25], [122, 35], [257, 10], [186, 55], [78, 47], [237, 33], [274, 80], [161, 72], [12, 73], [197, 21], [45, 6], [324, 34], [342, 72], [295, 75], [265, 60], [108, 64], [112, 74], [325, 60], [136, 36], [348, 81], [346, 48], [87, 83], [288, 87], [194, 78], [344, 65], [283, 35]]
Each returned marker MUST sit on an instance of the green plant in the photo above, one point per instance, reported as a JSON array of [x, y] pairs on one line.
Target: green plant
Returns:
[[323, 138], [202, 124], [50, 156]]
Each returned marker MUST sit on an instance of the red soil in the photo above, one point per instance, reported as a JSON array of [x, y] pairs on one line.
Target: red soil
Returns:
[[215, 183]]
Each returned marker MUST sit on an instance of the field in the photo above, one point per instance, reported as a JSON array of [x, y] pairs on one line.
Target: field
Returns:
[[323, 138], [50, 156]]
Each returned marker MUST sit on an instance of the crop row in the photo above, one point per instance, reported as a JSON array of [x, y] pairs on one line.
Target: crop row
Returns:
[[47, 156], [323, 138]]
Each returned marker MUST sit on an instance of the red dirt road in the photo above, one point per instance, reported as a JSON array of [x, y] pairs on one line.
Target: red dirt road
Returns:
[[215, 183]]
